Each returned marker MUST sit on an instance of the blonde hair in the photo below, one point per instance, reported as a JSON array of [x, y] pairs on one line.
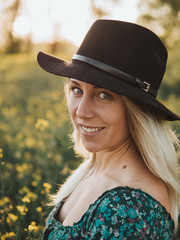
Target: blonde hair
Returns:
[[154, 140], [157, 144]]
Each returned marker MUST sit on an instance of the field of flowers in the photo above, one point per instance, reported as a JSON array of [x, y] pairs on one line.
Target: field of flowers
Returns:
[[35, 151]]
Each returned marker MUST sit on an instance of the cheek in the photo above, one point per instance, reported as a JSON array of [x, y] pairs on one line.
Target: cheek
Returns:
[[118, 118]]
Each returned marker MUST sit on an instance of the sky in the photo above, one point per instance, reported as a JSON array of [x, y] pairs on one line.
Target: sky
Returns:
[[45, 20]]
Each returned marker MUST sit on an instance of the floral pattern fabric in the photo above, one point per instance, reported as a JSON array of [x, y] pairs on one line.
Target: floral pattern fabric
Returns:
[[120, 213]]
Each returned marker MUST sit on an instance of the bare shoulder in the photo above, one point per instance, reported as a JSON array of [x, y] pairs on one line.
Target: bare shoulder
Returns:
[[157, 189], [142, 177]]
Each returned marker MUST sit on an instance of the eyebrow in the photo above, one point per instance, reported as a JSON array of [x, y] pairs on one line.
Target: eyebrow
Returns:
[[74, 81]]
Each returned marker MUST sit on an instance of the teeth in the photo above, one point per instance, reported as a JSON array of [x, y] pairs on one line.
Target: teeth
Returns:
[[91, 130]]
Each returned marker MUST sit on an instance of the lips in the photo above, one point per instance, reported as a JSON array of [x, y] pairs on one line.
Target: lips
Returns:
[[91, 129]]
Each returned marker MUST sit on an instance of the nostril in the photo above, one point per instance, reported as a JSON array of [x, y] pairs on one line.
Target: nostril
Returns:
[[85, 109], [84, 113]]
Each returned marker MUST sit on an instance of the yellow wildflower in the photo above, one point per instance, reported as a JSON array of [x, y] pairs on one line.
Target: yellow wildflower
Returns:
[[1, 202], [39, 209], [43, 192], [34, 183], [22, 209], [7, 199], [8, 235], [23, 168], [1, 153], [47, 187], [8, 220], [26, 199], [66, 170], [2, 211], [37, 175], [32, 196], [42, 124], [24, 190], [11, 206], [33, 227], [30, 142], [12, 217]]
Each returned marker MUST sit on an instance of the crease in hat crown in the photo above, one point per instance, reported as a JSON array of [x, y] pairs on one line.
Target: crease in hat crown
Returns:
[[123, 57]]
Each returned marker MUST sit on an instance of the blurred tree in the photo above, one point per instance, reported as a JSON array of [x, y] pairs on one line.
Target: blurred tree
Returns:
[[98, 7], [97, 11], [162, 16], [11, 10], [172, 85]]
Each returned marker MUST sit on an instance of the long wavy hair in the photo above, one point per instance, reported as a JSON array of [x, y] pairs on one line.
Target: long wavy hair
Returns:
[[155, 141]]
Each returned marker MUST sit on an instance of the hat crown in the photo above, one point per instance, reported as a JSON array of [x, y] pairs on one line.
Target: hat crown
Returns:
[[128, 47]]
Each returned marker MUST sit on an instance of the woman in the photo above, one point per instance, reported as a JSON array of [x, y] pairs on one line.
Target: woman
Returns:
[[127, 187]]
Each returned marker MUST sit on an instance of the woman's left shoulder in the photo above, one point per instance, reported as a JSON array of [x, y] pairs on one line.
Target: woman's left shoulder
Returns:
[[158, 190], [128, 212], [130, 199], [135, 196], [137, 201]]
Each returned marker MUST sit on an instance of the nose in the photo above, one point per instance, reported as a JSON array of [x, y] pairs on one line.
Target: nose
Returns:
[[85, 108]]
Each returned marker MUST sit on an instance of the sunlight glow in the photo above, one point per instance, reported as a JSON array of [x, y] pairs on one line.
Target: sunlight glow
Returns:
[[21, 26], [67, 19]]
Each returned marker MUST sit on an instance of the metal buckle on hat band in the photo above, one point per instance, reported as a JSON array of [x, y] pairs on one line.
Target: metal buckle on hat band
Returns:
[[142, 84], [147, 87]]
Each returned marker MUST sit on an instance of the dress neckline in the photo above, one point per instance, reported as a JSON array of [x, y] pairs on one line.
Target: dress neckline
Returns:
[[137, 190]]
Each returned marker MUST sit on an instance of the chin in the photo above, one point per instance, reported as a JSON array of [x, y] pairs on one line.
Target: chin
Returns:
[[92, 149]]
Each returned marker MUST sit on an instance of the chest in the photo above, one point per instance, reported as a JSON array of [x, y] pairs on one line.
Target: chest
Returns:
[[76, 205], [80, 200]]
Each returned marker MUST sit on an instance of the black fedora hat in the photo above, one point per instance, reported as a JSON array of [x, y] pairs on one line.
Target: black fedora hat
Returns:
[[120, 56]]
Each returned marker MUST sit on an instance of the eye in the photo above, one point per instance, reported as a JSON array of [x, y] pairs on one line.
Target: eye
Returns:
[[76, 90], [105, 95]]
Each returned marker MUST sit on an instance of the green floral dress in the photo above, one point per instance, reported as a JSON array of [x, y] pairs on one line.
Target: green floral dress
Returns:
[[120, 213]]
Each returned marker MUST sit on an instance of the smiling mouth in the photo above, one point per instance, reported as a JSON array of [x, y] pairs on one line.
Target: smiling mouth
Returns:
[[91, 130]]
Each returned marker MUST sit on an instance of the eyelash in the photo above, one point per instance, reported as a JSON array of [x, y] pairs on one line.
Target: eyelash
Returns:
[[72, 89], [108, 95]]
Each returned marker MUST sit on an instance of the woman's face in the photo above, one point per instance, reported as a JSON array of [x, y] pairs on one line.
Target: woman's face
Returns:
[[99, 116]]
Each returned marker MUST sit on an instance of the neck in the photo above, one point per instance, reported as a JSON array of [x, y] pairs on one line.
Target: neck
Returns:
[[116, 158]]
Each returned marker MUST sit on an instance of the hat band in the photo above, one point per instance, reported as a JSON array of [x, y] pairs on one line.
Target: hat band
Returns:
[[117, 73]]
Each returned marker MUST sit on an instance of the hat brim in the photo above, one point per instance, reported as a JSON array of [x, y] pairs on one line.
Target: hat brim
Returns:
[[87, 73]]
